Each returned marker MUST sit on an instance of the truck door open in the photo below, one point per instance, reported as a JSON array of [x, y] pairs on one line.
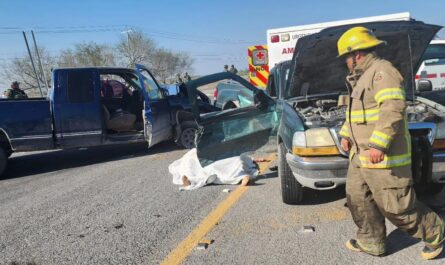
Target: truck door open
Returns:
[[157, 120]]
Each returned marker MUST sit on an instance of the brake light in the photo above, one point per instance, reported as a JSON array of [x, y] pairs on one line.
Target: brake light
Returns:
[[275, 38]]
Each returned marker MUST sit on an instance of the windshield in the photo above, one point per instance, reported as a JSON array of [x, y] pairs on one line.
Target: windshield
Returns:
[[434, 51], [152, 88]]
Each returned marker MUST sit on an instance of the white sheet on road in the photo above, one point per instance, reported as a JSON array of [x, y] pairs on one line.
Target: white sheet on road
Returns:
[[226, 171]]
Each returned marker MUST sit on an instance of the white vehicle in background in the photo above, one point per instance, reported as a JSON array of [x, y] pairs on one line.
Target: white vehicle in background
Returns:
[[281, 41], [433, 69]]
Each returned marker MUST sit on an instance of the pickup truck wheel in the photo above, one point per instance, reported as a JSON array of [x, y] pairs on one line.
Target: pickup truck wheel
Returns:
[[291, 190], [3, 160], [188, 132]]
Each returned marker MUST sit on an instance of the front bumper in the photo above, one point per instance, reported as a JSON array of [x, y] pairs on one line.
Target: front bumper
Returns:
[[323, 173], [320, 173], [439, 167]]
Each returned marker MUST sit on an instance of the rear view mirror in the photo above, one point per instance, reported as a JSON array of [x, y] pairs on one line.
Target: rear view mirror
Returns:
[[424, 85]]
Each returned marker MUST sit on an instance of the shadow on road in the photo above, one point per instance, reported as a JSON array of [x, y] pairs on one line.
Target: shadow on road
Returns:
[[44, 162], [316, 197], [398, 240], [269, 175]]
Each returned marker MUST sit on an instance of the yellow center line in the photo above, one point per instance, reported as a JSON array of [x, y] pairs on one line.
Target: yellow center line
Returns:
[[181, 252]]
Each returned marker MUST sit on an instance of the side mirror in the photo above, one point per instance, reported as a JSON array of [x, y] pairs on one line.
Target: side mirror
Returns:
[[424, 85], [260, 99]]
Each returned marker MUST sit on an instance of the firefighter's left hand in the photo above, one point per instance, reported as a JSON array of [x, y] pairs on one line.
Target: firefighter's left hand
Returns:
[[376, 155]]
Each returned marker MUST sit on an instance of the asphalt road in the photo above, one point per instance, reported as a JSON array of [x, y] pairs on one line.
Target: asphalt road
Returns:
[[116, 205]]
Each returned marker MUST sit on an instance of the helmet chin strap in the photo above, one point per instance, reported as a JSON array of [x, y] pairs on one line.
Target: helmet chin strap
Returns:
[[354, 62]]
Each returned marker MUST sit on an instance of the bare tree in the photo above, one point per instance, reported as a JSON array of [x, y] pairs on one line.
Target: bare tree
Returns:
[[165, 64], [87, 54], [20, 69], [135, 48]]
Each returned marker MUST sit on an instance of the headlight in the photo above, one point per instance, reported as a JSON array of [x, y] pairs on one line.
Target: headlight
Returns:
[[314, 142]]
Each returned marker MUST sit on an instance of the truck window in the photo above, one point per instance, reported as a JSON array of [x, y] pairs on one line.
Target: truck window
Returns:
[[152, 88], [80, 86], [432, 67]]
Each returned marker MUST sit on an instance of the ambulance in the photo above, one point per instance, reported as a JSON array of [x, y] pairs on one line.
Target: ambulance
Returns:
[[433, 69], [258, 65], [281, 44], [281, 41]]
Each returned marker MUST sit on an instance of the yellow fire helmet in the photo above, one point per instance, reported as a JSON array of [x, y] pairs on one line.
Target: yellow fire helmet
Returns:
[[357, 38]]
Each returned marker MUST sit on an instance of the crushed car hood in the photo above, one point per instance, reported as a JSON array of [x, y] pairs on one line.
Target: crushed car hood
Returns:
[[317, 70]]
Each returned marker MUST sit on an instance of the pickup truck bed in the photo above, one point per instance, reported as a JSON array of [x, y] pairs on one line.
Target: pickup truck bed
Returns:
[[33, 130]]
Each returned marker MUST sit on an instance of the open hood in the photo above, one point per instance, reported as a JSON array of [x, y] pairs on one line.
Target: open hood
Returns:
[[317, 70]]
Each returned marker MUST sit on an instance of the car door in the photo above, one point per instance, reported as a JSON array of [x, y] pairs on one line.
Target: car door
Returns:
[[231, 132], [157, 117], [77, 110]]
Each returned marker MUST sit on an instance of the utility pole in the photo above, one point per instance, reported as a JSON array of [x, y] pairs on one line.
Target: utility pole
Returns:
[[32, 63], [40, 62]]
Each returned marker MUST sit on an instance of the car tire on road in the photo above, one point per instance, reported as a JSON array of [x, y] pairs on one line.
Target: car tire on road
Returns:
[[291, 190], [188, 133], [3, 160]]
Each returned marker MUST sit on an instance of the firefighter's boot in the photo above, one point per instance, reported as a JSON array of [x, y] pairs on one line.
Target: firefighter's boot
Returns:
[[353, 245]]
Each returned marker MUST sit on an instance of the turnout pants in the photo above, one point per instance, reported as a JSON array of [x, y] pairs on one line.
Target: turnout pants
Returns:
[[374, 194]]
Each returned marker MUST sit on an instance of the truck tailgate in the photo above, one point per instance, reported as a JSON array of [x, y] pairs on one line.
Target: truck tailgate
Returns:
[[27, 123]]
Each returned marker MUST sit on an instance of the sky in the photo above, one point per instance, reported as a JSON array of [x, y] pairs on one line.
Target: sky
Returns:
[[214, 33]]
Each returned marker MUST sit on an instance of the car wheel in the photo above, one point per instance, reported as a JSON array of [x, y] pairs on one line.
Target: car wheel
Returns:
[[291, 190], [187, 137], [3, 160]]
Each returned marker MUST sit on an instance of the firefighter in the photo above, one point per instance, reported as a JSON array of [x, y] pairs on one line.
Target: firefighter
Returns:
[[379, 181], [15, 92]]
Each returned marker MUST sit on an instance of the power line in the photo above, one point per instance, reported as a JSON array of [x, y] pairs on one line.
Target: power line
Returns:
[[120, 28]]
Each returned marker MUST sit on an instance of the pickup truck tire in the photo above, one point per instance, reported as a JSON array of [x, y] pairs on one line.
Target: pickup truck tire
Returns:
[[188, 133], [291, 190], [3, 160]]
